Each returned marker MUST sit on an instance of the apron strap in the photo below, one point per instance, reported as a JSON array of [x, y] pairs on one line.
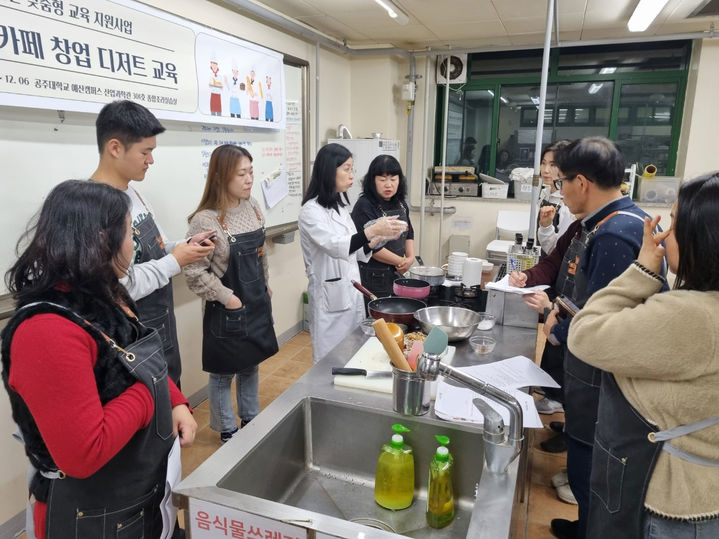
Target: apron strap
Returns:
[[682, 430]]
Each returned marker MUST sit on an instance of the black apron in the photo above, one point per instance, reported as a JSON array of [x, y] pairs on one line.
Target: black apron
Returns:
[[581, 381], [157, 310], [236, 339], [626, 448], [122, 498], [377, 276]]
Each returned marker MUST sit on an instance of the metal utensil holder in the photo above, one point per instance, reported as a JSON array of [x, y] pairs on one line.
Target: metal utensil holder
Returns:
[[410, 394]]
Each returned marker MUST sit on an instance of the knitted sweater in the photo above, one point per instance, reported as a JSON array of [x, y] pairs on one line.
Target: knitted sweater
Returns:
[[663, 350], [203, 277]]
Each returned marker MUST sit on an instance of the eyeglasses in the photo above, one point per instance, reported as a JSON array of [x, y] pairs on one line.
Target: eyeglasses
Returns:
[[558, 182]]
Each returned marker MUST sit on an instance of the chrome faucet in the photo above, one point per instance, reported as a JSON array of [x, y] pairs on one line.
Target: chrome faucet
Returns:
[[501, 445]]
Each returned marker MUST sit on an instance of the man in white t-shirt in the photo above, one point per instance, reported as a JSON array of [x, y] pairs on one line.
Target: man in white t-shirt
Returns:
[[126, 137]]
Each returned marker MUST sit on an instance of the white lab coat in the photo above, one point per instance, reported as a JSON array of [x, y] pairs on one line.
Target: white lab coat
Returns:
[[336, 307]]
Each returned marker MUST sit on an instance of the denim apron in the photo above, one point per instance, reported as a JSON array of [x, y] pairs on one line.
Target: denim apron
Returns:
[[121, 499], [157, 310], [626, 448], [235, 339], [377, 276]]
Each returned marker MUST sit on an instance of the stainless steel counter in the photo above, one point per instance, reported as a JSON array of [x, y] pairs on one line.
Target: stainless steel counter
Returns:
[[495, 494]]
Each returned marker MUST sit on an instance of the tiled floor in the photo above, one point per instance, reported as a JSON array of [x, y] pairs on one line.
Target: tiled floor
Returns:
[[531, 518]]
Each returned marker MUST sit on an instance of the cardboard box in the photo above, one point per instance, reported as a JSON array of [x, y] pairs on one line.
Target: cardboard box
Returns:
[[494, 190], [659, 189]]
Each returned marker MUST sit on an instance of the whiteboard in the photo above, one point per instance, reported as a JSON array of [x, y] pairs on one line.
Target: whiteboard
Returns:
[[39, 149]]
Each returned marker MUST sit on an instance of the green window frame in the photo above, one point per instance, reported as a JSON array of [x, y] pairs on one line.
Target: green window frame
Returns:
[[676, 72]]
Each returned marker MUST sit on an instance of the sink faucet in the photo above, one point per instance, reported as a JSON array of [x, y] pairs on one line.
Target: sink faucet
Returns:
[[501, 447]]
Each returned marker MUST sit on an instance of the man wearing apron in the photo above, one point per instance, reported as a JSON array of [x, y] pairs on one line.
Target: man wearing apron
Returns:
[[125, 493], [126, 137], [591, 175]]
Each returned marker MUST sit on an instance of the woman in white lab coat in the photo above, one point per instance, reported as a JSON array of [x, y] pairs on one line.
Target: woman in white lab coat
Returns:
[[331, 246]]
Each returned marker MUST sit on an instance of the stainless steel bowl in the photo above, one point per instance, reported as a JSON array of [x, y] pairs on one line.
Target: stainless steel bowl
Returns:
[[458, 323]]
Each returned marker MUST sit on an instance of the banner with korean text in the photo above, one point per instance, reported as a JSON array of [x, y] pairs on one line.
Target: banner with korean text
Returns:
[[79, 55]]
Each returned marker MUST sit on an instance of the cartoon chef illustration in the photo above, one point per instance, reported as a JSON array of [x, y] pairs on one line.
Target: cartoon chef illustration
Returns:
[[215, 88], [254, 96], [269, 113], [234, 86]]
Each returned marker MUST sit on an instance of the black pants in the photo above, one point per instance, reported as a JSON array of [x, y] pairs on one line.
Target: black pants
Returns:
[[553, 364]]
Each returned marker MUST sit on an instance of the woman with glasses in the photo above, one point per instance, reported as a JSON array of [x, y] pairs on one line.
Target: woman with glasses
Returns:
[[655, 462], [554, 217], [331, 247], [383, 192]]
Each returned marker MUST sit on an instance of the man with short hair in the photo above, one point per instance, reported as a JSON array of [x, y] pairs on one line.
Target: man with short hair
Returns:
[[126, 138], [592, 171]]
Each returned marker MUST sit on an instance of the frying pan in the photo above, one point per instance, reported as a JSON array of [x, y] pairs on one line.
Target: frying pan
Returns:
[[411, 288], [397, 310]]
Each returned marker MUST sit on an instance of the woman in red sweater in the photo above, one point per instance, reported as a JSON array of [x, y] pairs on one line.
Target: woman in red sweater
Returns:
[[87, 381]]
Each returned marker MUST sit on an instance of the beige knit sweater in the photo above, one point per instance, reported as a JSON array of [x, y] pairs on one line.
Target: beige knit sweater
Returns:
[[203, 277], [664, 352]]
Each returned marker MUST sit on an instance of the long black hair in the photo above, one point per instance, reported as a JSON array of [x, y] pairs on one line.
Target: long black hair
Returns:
[[76, 241], [324, 175], [380, 166], [696, 229]]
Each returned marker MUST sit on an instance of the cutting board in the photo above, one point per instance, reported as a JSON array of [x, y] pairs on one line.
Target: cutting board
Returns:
[[372, 357]]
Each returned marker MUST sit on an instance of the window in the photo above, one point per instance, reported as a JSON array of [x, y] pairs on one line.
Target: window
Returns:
[[631, 94]]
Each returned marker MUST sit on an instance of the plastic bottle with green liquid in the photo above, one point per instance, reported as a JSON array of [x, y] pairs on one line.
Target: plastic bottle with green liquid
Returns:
[[394, 479], [440, 494]]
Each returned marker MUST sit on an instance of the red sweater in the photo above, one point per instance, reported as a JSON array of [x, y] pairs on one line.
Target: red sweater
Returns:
[[52, 370]]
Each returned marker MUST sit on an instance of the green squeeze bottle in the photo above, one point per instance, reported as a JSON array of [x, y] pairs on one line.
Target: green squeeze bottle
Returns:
[[394, 479], [440, 494]]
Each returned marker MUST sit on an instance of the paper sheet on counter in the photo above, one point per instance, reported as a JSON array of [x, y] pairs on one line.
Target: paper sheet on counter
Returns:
[[503, 286], [174, 475], [454, 403]]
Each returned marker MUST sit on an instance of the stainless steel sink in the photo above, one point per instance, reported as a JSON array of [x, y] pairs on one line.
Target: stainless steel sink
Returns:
[[321, 457]]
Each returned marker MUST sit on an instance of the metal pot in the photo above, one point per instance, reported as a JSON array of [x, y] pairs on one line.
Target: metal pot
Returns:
[[432, 274], [411, 288], [457, 322], [392, 309]]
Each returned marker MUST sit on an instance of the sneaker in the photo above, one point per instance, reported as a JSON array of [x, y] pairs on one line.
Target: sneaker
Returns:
[[227, 435], [548, 406], [565, 494], [559, 479], [565, 529], [555, 444]]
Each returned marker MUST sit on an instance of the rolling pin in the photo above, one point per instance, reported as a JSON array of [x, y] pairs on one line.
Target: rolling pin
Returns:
[[390, 345]]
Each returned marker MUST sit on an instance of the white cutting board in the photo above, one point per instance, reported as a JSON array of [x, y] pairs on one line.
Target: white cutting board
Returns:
[[372, 357]]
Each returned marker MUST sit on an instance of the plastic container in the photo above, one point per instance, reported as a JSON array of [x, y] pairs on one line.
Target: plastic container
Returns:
[[494, 190], [486, 321], [366, 326], [522, 190], [440, 492], [482, 344], [659, 189], [394, 478]]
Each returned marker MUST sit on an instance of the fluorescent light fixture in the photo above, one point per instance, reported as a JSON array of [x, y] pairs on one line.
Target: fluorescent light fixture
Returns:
[[535, 100], [393, 11], [504, 100], [607, 70], [644, 14], [595, 87], [490, 92]]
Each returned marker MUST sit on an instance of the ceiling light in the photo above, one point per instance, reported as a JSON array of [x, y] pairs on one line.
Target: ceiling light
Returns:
[[490, 92], [645, 12], [594, 88], [607, 70], [393, 11], [535, 100], [504, 100]]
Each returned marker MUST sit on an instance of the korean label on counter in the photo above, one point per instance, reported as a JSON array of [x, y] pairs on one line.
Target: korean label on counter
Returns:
[[209, 520]]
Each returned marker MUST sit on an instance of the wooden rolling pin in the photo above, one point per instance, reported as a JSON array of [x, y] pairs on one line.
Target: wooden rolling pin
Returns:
[[390, 345]]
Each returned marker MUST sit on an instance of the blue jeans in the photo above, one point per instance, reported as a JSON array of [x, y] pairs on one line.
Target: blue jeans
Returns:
[[579, 471], [222, 416], [656, 527]]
